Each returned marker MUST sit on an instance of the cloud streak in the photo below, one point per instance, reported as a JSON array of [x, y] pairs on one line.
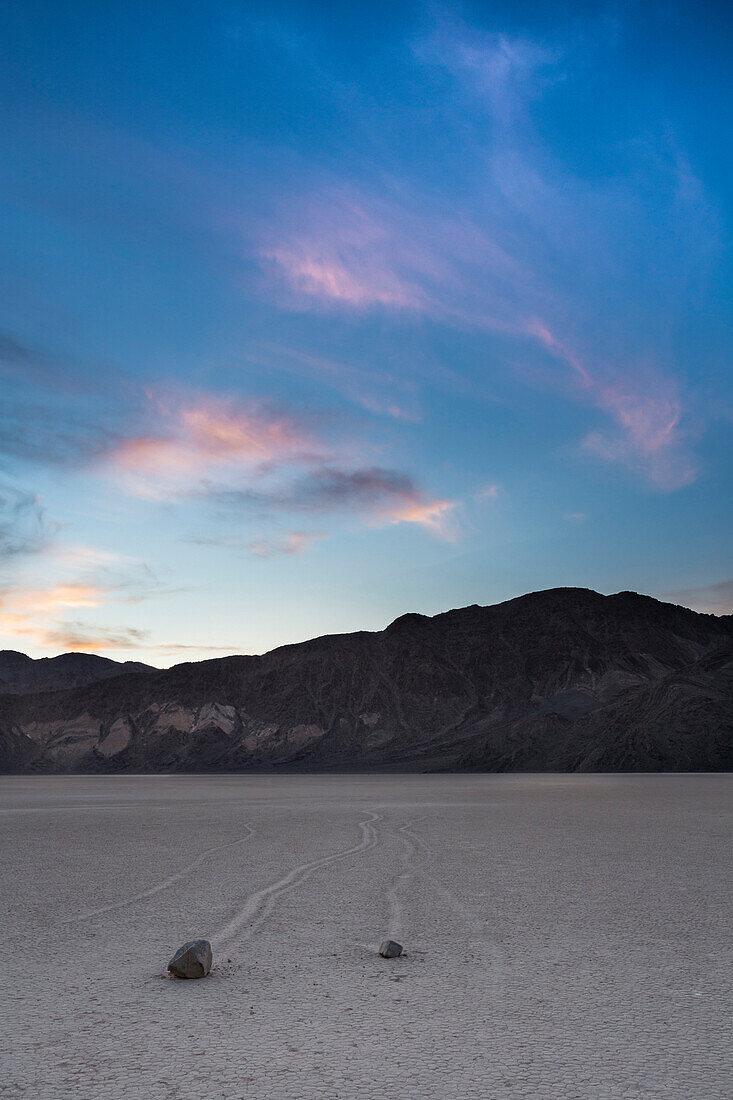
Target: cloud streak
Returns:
[[383, 497], [24, 526], [525, 256], [194, 440], [251, 457], [347, 256], [83, 579], [649, 436], [296, 542], [712, 599]]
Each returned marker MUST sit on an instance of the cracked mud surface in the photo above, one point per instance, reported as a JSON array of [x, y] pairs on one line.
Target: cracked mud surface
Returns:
[[566, 936]]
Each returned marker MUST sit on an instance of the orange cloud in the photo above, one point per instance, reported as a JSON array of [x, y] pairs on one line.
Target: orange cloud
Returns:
[[48, 601], [238, 458], [85, 578], [382, 496], [26, 612], [296, 542], [198, 438], [434, 515], [77, 637]]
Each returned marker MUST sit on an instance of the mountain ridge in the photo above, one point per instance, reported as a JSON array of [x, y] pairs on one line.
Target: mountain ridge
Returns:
[[552, 680], [20, 673]]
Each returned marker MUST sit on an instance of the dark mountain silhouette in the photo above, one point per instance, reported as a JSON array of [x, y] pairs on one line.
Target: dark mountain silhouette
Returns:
[[565, 680], [20, 674]]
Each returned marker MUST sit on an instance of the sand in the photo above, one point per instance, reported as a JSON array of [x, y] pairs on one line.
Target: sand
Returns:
[[566, 936]]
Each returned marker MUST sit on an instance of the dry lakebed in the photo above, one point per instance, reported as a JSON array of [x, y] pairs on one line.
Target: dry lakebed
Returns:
[[565, 936]]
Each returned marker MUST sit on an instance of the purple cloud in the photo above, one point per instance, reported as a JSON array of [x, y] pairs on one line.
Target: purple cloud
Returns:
[[530, 254], [384, 497]]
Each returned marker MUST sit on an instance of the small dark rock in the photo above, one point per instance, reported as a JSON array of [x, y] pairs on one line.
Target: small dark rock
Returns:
[[193, 960], [390, 949]]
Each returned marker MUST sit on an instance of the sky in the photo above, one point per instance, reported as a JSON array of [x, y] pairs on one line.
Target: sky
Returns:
[[312, 315]]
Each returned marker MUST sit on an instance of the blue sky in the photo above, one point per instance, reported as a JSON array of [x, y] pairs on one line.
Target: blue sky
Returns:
[[311, 317]]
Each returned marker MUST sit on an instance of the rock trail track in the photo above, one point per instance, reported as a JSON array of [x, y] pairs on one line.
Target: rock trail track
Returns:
[[164, 884], [257, 907]]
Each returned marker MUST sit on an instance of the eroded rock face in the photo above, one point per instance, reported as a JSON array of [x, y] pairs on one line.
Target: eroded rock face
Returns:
[[390, 949], [192, 960], [172, 716], [216, 715], [117, 739]]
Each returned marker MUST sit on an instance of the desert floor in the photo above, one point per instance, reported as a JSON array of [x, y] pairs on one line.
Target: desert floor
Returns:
[[566, 936]]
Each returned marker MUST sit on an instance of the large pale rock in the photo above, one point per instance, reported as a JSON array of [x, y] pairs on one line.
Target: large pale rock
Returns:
[[390, 949], [193, 960]]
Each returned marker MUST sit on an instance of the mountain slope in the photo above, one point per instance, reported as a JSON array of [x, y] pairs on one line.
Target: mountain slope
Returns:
[[20, 674], [564, 680]]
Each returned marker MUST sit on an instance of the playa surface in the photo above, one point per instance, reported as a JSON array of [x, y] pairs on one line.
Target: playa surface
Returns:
[[566, 936]]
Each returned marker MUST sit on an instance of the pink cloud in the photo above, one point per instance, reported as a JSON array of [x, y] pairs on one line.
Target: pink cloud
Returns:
[[29, 612], [648, 414], [296, 542], [436, 516], [359, 251], [237, 457], [540, 331], [651, 435], [194, 440], [315, 268], [533, 253], [347, 256], [85, 579], [381, 496]]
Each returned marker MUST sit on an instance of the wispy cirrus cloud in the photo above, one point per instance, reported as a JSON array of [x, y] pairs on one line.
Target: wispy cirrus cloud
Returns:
[[82, 579], [712, 599], [382, 497], [251, 457], [295, 542], [382, 392], [48, 434], [649, 433], [487, 492], [528, 251], [344, 254], [79, 637], [359, 250], [24, 526], [191, 441], [31, 612], [16, 358], [504, 72]]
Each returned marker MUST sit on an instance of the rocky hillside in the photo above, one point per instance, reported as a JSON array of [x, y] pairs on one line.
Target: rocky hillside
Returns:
[[20, 674], [561, 680]]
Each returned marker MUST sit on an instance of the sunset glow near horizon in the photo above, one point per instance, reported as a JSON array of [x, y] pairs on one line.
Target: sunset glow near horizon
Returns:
[[312, 317]]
